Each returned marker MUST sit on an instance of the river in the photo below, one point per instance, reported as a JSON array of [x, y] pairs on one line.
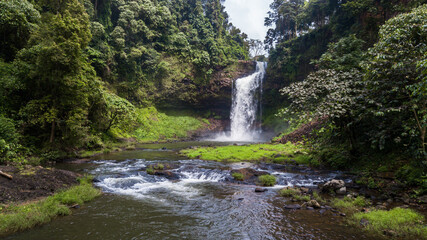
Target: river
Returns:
[[201, 202]]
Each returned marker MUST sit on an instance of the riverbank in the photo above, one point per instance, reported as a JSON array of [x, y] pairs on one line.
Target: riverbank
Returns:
[[385, 194], [36, 195]]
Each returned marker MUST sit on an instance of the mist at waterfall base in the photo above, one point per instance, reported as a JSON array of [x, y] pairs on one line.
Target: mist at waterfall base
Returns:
[[246, 110]]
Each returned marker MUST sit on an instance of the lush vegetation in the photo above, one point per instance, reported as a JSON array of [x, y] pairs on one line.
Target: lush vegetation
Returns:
[[76, 74], [277, 153], [350, 205], [267, 180], [397, 222], [363, 70], [15, 218], [155, 126]]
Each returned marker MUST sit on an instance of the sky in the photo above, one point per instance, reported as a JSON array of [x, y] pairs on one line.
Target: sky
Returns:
[[248, 15]]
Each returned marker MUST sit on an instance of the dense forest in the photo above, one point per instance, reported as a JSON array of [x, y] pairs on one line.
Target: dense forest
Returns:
[[356, 71], [76, 73], [343, 89]]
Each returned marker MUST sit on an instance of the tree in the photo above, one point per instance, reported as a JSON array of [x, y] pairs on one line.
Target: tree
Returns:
[[57, 75], [396, 92], [256, 47], [332, 92], [18, 18]]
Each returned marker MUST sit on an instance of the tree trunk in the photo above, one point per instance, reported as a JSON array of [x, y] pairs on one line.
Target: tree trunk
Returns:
[[52, 132]]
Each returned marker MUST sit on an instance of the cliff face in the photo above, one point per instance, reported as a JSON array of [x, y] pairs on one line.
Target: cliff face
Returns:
[[213, 97]]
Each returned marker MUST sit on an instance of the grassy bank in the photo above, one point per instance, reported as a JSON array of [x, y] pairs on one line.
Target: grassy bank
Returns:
[[14, 218], [150, 126], [396, 223], [155, 126], [277, 153]]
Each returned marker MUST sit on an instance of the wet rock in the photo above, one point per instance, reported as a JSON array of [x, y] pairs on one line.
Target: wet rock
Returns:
[[312, 203], [75, 206], [333, 185], [342, 214], [352, 195], [328, 207], [342, 191], [293, 206], [310, 208], [167, 174], [322, 211], [261, 190]]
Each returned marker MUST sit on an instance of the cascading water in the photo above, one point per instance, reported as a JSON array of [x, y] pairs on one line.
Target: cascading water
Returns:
[[246, 101]]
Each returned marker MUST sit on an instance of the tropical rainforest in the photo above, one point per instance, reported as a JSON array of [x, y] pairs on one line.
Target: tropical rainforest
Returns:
[[74, 73], [345, 89]]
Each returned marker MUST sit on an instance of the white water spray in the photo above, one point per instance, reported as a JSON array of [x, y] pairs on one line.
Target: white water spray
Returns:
[[246, 97]]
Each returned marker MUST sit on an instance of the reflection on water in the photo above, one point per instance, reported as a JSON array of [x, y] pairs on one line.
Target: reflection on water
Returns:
[[199, 203]]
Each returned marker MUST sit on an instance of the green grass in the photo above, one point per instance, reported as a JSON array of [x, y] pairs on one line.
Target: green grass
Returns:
[[237, 176], [278, 153], [156, 126], [318, 198], [159, 166], [349, 204], [399, 222], [150, 171], [289, 192], [267, 180], [20, 217], [294, 193]]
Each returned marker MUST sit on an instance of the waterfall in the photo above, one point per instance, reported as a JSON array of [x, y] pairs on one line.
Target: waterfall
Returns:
[[246, 107]]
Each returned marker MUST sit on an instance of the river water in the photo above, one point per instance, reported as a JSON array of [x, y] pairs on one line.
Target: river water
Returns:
[[200, 202]]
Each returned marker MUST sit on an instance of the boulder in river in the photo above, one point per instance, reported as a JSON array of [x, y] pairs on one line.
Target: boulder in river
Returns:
[[342, 191], [333, 185], [261, 190], [312, 203]]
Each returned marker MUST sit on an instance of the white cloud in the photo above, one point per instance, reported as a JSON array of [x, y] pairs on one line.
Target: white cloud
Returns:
[[248, 15]]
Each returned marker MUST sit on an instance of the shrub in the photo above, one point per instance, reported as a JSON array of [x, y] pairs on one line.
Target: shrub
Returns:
[[159, 166], [237, 176], [267, 180], [150, 170]]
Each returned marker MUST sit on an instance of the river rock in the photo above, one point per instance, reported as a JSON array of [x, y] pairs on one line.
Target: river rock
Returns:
[[261, 190], [293, 206], [342, 191], [333, 185], [312, 203]]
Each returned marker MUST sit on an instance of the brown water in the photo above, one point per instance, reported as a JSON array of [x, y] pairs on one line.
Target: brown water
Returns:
[[203, 204]]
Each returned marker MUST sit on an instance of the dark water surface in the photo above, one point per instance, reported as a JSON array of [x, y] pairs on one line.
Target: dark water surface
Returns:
[[200, 203]]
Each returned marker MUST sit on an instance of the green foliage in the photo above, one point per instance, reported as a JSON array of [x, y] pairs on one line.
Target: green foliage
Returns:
[[18, 19], [399, 222], [350, 204], [150, 171], [267, 180], [396, 93], [253, 152], [159, 166], [22, 217], [289, 192], [72, 73], [237, 176]]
